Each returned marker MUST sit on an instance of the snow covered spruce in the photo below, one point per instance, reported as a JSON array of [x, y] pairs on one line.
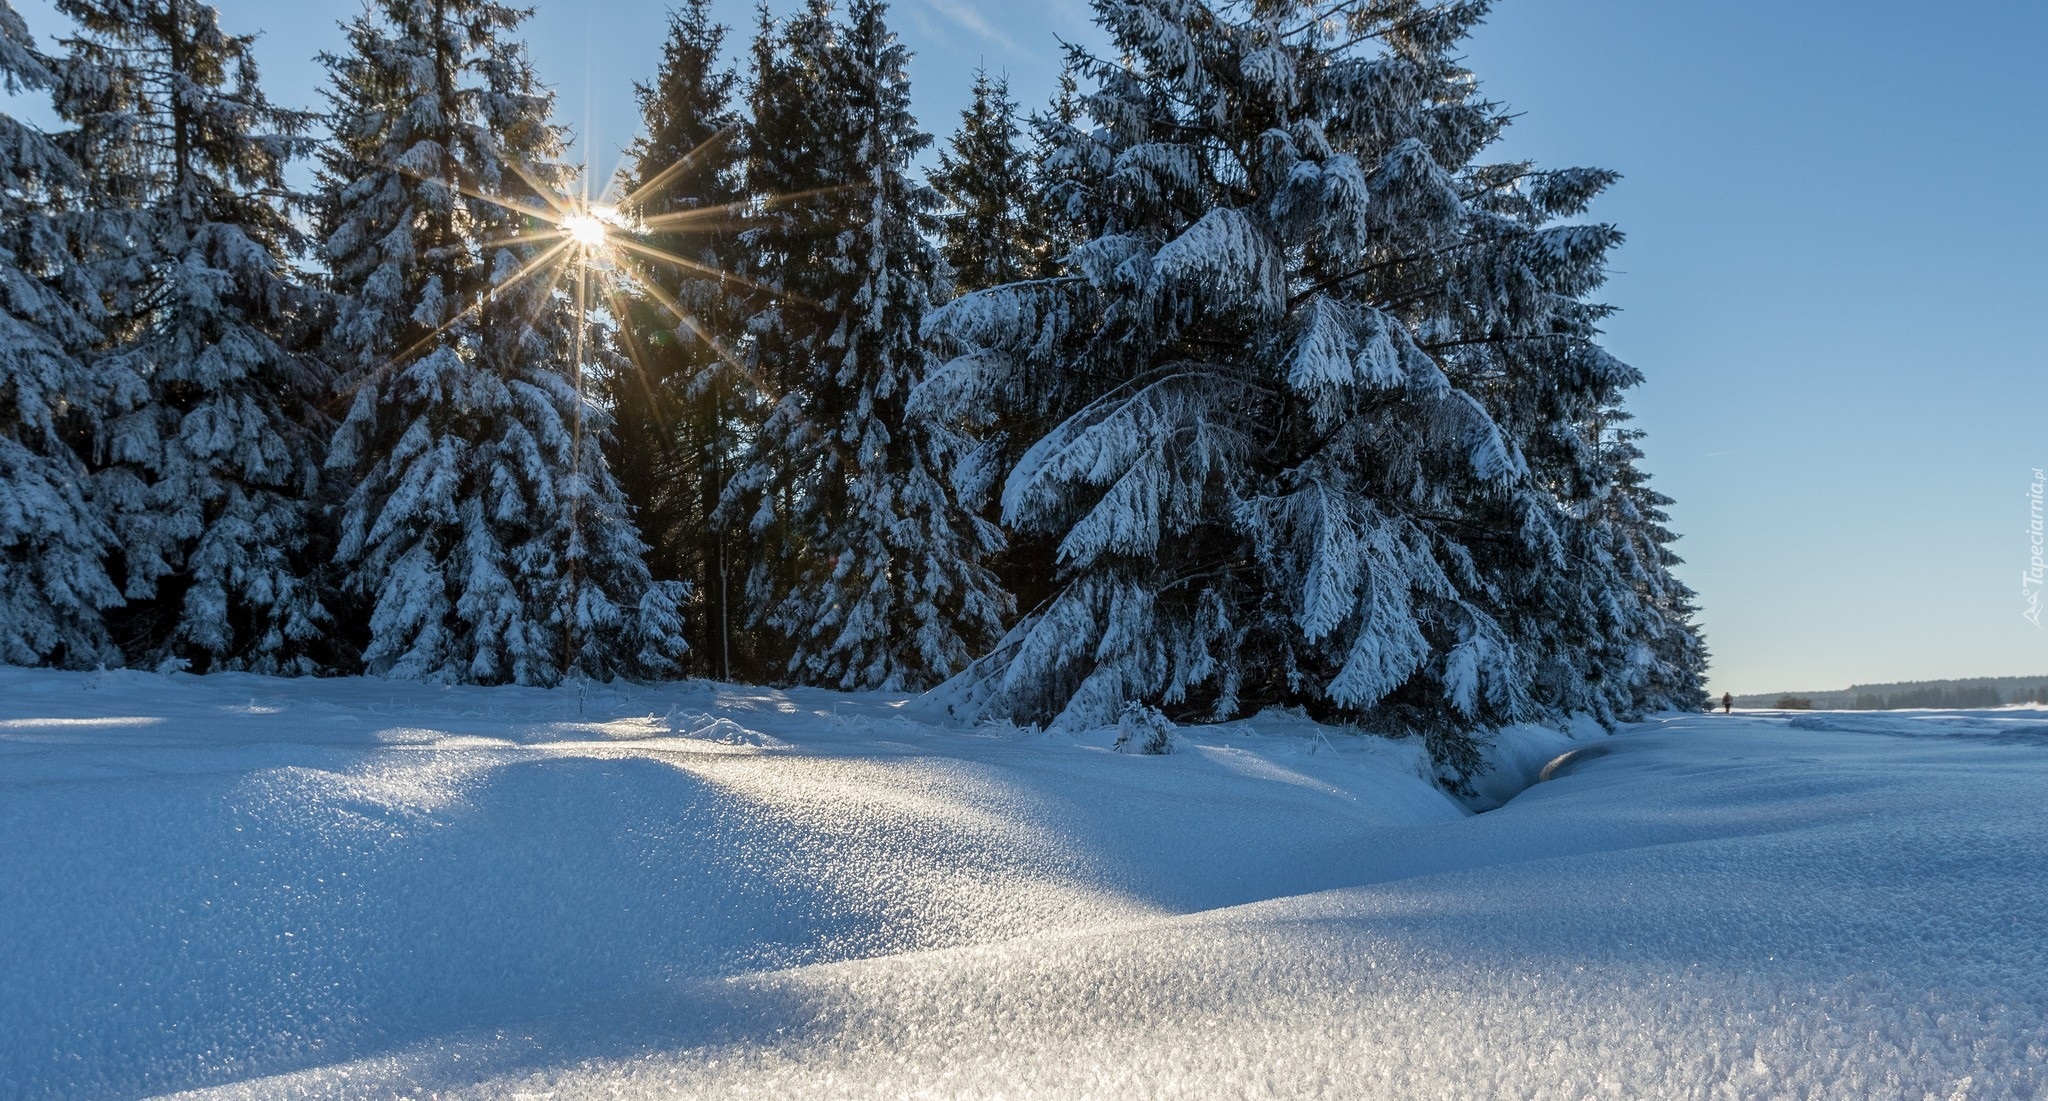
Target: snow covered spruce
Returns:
[[1259, 383], [1315, 413], [191, 409], [483, 529], [55, 539], [678, 397], [864, 564]]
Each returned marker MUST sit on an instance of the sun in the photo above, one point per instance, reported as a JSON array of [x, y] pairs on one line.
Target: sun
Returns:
[[587, 229], [589, 226]]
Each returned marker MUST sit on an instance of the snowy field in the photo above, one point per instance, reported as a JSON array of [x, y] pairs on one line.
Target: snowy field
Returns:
[[252, 888]]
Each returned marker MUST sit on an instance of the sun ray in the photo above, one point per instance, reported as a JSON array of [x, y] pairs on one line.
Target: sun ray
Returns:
[[668, 175], [582, 335], [696, 329], [563, 207], [665, 257], [465, 190], [551, 233], [687, 320], [620, 309], [484, 299], [683, 218]]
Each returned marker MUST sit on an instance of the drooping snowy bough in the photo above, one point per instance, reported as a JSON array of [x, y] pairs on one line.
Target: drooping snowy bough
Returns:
[[1319, 403]]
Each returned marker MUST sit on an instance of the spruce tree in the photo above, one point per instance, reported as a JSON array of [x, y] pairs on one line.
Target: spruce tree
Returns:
[[983, 182], [211, 472], [1277, 454], [679, 402], [484, 533], [54, 539], [1606, 628], [1054, 210], [1665, 659], [1000, 228], [869, 567], [1577, 568], [789, 180]]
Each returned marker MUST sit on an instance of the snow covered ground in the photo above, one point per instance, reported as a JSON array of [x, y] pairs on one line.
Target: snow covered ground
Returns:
[[260, 888]]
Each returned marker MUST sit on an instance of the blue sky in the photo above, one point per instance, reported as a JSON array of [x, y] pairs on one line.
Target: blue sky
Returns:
[[1833, 280]]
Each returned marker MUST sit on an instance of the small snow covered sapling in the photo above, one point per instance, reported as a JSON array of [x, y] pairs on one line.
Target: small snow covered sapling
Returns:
[[1143, 729]]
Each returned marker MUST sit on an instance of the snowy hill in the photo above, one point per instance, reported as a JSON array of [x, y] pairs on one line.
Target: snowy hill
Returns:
[[251, 887]]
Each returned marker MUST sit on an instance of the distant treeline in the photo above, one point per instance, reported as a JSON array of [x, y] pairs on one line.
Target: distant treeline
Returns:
[[1973, 692]]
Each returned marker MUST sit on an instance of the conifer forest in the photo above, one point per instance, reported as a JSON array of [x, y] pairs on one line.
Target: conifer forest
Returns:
[[1239, 375]]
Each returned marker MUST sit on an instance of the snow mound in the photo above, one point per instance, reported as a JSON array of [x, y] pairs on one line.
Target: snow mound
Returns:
[[724, 731]]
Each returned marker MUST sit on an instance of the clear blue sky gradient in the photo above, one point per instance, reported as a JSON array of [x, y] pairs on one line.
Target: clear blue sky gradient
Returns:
[[1834, 278]]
